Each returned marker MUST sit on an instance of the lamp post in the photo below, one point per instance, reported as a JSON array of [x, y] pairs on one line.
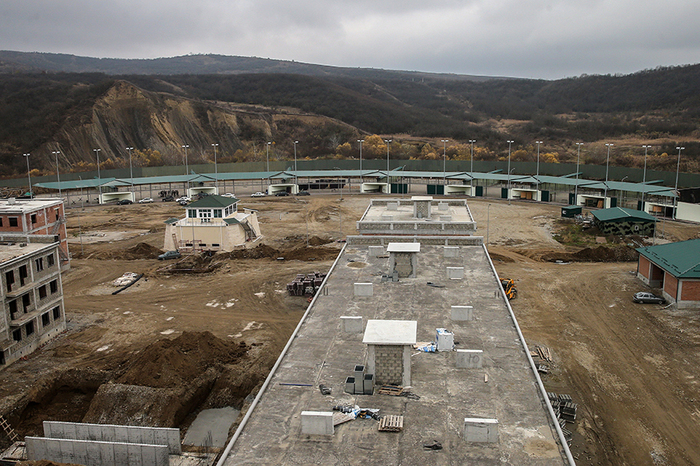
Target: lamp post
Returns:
[[58, 175], [471, 169], [508, 191], [216, 171], [538, 157], [131, 167], [488, 219], [675, 188], [29, 176], [444, 161], [607, 166], [360, 141], [187, 172], [99, 180], [387, 141], [578, 161], [267, 167], [295, 162], [644, 176]]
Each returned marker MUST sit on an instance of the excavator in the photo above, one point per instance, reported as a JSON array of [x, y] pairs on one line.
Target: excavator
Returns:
[[509, 287]]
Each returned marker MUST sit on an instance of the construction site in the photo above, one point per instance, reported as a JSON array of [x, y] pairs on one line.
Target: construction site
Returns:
[[202, 333]]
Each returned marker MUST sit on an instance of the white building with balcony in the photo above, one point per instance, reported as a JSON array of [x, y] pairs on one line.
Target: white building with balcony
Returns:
[[213, 223]]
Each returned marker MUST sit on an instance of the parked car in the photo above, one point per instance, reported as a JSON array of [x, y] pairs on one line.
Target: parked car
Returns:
[[303, 193], [183, 202], [169, 255], [168, 199], [146, 200], [124, 202], [258, 194], [281, 193], [231, 195], [645, 297], [183, 198]]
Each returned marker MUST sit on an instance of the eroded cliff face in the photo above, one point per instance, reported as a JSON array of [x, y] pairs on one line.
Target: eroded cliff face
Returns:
[[126, 116]]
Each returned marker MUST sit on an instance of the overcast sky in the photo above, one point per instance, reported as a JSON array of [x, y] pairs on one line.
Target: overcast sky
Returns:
[[535, 38]]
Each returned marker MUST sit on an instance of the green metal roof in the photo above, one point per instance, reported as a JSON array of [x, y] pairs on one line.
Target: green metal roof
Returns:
[[171, 220], [77, 184], [231, 221], [682, 260], [620, 214], [212, 201]]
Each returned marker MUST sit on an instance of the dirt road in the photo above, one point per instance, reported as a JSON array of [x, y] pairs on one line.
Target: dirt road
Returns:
[[632, 369]]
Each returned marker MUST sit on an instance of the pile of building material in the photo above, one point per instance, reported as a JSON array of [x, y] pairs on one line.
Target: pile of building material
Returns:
[[306, 285], [565, 409]]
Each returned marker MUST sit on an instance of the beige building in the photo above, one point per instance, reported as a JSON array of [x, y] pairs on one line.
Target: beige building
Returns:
[[31, 292], [213, 223]]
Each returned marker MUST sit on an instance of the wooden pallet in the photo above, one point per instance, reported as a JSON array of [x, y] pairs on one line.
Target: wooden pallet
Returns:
[[393, 390], [391, 423]]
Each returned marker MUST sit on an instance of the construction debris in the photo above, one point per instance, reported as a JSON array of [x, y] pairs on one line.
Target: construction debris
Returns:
[[392, 390], [324, 389], [565, 410], [433, 446], [305, 285], [391, 423]]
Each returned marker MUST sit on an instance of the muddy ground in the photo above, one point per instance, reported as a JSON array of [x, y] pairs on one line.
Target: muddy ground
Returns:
[[206, 336]]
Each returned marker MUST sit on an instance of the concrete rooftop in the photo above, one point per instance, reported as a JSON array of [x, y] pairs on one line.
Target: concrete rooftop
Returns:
[[13, 251], [322, 354]]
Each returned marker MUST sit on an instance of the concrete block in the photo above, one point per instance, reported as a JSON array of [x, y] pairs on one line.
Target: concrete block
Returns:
[[94, 432], [445, 340], [443, 206], [451, 251], [469, 359], [121, 434], [392, 206], [364, 289], [317, 423], [445, 218], [36, 448], [66, 451], [351, 324], [350, 385], [80, 454], [368, 384], [107, 453], [387, 218], [375, 251], [121, 453], [455, 273], [481, 430], [94, 452], [461, 313]]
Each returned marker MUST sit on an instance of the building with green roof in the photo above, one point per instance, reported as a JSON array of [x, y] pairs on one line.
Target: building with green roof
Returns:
[[675, 269], [619, 221], [213, 223]]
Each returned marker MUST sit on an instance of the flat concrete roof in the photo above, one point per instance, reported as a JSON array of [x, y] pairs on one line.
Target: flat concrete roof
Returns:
[[456, 209], [9, 252], [321, 353], [403, 247], [390, 332], [26, 205]]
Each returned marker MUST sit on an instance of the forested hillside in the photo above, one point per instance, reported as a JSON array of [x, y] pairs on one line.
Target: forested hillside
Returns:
[[42, 112]]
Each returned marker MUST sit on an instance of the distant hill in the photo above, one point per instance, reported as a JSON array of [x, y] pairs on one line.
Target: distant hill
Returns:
[[242, 103], [200, 64]]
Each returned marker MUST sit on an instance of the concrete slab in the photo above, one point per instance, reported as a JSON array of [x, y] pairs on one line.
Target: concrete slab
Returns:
[[210, 428], [390, 332]]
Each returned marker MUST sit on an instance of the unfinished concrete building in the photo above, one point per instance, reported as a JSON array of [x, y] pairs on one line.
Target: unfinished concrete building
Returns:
[[213, 223], [32, 294], [339, 393], [37, 216]]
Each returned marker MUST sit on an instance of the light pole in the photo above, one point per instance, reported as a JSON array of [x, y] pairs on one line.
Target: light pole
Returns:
[[678, 167], [360, 141], [578, 161], [387, 141], [216, 171], [99, 180], [131, 167], [488, 219], [508, 191], [607, 166], [644, 176], [29, 176], [187, 171], [58, 175], [538, 157], [444, 161], [295, 162], [268, 159], [471, 169]]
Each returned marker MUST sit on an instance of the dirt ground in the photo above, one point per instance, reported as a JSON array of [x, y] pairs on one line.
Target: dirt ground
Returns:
[[176, 343]]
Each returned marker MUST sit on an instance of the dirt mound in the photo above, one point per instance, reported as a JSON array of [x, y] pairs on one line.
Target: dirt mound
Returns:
[[316, 241], [263, 251], [599, 254], [139, 251], [173, 363]]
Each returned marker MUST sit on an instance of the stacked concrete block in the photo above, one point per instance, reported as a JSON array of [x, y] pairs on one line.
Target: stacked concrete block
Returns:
[[455, 273], [351, 324], [392, 206], [387, 218], [364, 289], [461, 313], [389, 364], [481, 430], [375, 251], [443, 206], [445, 218], [451, 251], [469, 359], [317, 423]]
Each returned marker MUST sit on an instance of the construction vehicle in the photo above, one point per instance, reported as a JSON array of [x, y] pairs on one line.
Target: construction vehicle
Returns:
[[509, 287]]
